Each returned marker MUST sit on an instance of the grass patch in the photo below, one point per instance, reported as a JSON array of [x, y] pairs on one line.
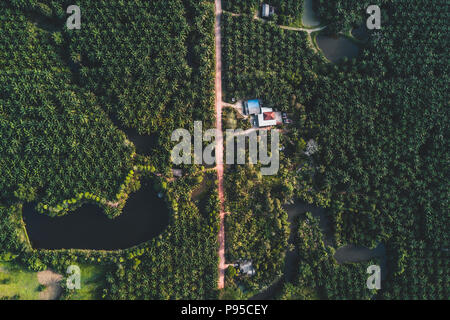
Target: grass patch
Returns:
[[232, 119], [201, 194], [18, 282], [92, 282], [21, 228]]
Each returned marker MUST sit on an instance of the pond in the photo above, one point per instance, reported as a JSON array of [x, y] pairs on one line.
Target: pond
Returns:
[[144, 143], [144, 217], [361, 33], [353, 253], [346, 254], [309, 18], [292, 258], [336, 48]]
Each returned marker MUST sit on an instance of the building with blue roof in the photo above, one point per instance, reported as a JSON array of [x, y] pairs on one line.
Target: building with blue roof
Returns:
[[252, 107]]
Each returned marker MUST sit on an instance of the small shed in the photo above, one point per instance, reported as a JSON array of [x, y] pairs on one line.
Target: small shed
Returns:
[[252, 107], [178, 173], [267, 10], [246, 268]]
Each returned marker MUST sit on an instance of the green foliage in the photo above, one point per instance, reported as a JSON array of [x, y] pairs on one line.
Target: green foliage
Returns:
[[389, 175], [231, 272], [418, 273], [261, 60], [342, 15], [232, 292], [285, 10], [9, 239], [35, 264], [150, 63], [380, 121], [241, 6], [257, 228], [179, 264], [55, 138], [147, 65], [319, 274], [292, 292]]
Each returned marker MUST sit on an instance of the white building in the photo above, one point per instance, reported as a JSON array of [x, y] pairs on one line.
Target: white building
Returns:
[[267, 10], [246, 267], [268, 118]]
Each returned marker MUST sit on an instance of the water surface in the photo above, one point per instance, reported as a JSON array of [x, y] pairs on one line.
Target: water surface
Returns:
[[144, 217], [292, 258], [336, 48], [309, 18], [361, 33]]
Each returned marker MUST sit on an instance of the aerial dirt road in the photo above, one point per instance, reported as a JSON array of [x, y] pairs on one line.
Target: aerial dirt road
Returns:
[[219, 145]]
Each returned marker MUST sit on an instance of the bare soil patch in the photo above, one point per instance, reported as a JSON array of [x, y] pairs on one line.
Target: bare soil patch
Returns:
[[52, 281]]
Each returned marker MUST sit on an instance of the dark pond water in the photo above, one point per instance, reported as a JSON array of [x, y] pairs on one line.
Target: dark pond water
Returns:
[[309, 18], [144, 143], [353, 253], [361, 33], [336, 48], [292, 259], [346, 254], [144, 217]]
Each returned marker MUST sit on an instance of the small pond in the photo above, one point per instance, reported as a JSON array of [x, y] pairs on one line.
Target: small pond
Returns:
[[292, 259], [144, 143], [346, 254], [352, 253], [144, 217], [361, 33], [309, 18], [336, 48]]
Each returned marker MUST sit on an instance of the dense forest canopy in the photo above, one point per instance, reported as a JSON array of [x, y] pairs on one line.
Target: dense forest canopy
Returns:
[[55, 138], [66, 95], [154, 78], [285, 10], [380, 121]]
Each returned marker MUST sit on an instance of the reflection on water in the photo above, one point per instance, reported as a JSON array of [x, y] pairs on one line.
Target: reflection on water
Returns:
[[336, 48], [309, 18], [361, 33], [143, 217], [144, 143]]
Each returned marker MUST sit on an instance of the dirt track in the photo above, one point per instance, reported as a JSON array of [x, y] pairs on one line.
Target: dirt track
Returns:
[[51, 280], [219, 137]]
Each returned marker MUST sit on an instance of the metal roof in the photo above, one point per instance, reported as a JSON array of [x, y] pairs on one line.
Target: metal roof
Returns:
[[253, 103]]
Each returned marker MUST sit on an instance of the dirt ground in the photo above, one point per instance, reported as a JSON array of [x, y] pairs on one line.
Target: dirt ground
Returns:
[[51, 280]]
